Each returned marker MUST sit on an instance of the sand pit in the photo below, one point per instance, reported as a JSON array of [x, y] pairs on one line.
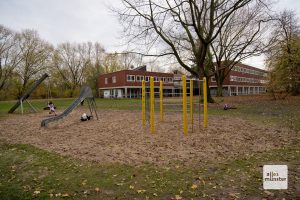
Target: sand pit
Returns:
[[119, 137]]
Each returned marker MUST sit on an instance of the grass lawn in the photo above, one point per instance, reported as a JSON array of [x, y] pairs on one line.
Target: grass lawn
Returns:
[[27, 172]]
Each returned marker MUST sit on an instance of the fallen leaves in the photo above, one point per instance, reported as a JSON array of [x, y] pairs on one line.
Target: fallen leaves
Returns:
[[178, 197], [131, 187], [97, 189], [84, 182], [36, 192], [141, 191], [194, 186], [234, 195], [269, 193], [65, 195]]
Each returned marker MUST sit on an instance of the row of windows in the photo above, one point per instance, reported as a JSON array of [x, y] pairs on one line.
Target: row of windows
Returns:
[[138, 78], [249, 71], [246, 80]]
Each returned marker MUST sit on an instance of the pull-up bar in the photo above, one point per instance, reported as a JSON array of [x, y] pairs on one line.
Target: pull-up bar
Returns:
[[184, 104]]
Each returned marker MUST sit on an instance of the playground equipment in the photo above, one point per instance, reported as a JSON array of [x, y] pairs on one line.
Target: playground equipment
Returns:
[[27, 94], [85, 94], [184, 104]]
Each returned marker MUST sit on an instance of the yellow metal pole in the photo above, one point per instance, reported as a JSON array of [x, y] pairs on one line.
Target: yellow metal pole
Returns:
[[152, 105], [205, 101], [161, 101], [185, 127], [191, 102], [143, 104]]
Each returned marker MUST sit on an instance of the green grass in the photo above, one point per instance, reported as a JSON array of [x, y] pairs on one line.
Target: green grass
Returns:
[[26, 170], [283, 113], [61, 104]]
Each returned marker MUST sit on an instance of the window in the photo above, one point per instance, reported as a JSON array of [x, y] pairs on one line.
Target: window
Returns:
[[130, 78], [138, 78], [147, 78], [155, 79], [233, 78], [114, 79], [106, 81], [213, 79]]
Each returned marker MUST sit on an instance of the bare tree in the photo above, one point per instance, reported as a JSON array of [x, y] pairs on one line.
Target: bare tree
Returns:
[[130, 60], [183, 29], [71, 61], [120, 61], [96, 67], [242, 36], [9, 55], [283, 57], [35, 55]]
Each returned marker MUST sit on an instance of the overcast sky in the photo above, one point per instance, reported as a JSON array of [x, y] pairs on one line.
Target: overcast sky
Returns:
[[80, 20]]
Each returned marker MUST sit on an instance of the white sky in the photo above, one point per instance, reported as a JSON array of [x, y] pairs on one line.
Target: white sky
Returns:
[[81, 20]]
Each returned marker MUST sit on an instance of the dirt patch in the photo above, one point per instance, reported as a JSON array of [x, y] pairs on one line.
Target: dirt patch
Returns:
[[118, 136]]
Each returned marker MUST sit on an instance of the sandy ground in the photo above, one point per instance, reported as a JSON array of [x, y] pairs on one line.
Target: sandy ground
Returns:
[[119, 137]]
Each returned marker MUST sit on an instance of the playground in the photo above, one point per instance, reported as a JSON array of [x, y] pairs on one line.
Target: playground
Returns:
[[144, 137], [115, 156], [118, 137]]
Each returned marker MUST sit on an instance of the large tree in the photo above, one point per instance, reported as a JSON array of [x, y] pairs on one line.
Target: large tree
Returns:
[[242, 36], [9, 55], [35, 55], [283, 58], [96, 67], [71, 61], [183, 29]]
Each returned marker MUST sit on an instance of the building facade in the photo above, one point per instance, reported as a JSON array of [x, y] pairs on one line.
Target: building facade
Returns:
[[241, 80], [128, 83]]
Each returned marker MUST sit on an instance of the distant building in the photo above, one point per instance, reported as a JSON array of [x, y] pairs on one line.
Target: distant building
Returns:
[[241, 80], [128, 83]]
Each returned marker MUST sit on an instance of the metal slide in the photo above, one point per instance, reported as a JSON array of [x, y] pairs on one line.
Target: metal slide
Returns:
[[85, 93], [28, 93]]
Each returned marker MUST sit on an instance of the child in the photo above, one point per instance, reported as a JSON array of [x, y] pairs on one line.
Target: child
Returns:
[[51, 108], [227, 107], [85, 117]]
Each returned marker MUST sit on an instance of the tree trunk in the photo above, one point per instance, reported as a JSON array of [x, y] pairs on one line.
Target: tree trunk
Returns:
[[209, 97], [219, 90], [220, 79]]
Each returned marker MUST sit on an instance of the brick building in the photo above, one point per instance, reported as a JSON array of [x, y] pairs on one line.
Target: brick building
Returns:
[[241, 80], [128, 83]]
